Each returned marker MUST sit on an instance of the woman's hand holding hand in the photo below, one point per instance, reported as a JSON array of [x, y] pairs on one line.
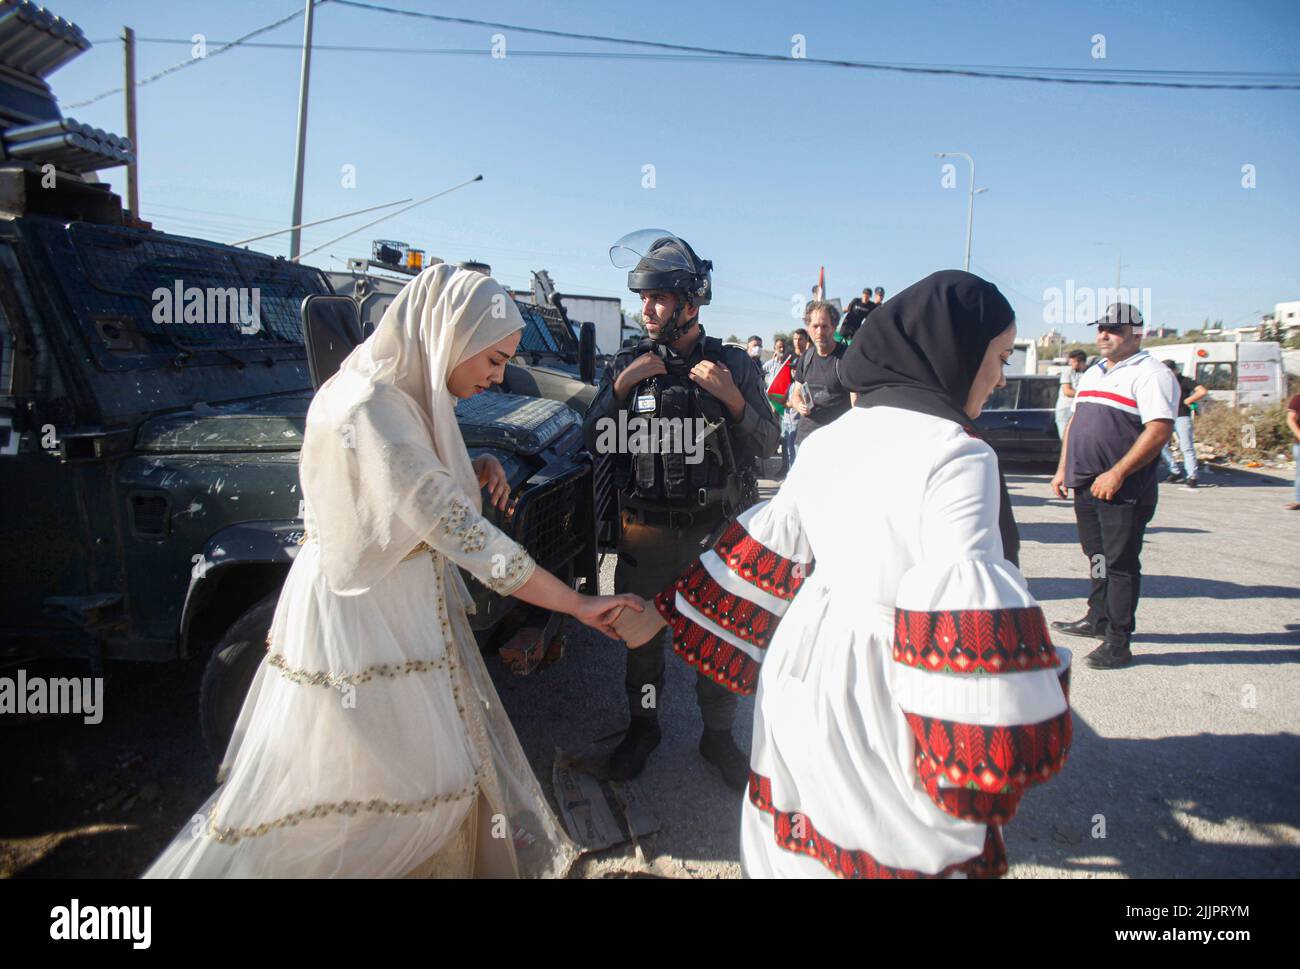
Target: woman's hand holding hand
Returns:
[[491, 474], [638, 628], [599, 612]]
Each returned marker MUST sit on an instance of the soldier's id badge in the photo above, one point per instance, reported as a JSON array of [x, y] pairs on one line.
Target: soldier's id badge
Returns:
[[645, 404]]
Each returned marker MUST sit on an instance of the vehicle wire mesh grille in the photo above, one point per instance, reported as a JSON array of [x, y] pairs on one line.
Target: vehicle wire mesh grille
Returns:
[[118, 272], [552, 526]]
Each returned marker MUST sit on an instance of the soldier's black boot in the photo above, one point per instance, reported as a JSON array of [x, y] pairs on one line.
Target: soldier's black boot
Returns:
[[1110, 655], [1082, 627], [720, 750], [629, 757]]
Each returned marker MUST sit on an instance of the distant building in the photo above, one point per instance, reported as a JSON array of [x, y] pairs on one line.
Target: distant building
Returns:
[[1160, 332], [1051, 342], [1288, 316]]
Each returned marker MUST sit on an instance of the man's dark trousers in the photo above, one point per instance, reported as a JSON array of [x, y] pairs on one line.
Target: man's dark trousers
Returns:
[[650, 558], [1113, 531]]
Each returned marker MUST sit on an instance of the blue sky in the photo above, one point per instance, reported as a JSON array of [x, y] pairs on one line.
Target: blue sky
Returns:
[[770, 170]]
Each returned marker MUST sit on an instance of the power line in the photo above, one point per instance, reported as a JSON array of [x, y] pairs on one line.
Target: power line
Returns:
[[1050, 73], [829, 62], [239, 41]]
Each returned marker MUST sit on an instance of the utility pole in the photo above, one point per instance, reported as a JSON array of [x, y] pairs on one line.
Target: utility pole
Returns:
[[133, 167], [295, 239]]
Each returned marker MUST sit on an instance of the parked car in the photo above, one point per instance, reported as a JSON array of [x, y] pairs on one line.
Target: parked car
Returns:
[[1019, 420]]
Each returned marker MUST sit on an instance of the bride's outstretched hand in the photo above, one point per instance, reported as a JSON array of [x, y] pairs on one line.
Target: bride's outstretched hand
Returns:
[[599, 612]]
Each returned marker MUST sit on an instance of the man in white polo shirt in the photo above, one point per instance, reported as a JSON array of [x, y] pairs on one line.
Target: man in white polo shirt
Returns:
[[1123, 415]]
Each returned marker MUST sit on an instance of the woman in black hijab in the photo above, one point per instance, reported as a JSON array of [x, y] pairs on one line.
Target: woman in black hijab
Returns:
[[907, 693], [921, 352]]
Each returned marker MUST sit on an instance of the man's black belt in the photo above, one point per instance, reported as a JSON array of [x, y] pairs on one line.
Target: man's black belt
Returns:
[[675, 518]]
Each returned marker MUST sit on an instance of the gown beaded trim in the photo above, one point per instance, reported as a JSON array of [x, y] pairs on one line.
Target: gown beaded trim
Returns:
[[336, 680], [375, 805]]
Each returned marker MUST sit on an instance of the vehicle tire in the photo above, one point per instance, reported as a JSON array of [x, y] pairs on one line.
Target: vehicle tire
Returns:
[[229, 674]]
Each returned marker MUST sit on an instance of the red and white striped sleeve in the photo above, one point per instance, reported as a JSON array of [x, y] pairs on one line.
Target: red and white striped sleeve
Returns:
[[724, 609], [976, 674]]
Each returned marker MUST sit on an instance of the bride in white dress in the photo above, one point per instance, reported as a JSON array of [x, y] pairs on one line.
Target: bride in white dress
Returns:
[[372, 741], [907, 692]]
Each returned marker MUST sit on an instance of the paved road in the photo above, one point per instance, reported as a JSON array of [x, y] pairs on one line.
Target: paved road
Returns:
[[1191, 756]]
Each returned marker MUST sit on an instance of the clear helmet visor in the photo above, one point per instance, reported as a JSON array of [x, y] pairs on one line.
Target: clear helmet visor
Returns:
[[653, 249]]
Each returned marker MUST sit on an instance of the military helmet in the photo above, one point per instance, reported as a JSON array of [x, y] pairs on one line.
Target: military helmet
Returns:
[[659, 260]]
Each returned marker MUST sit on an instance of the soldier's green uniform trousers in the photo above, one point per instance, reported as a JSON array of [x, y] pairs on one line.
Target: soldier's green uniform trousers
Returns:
[[650, 558]]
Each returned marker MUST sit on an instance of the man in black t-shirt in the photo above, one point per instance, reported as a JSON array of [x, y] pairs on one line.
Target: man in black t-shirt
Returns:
[[817, 393], [857, 312]]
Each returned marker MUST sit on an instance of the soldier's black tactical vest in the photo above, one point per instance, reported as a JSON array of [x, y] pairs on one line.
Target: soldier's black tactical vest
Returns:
[[668, 478]]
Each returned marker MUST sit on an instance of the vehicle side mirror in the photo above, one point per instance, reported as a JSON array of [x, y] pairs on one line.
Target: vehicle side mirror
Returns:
[[587, 352], [331, 329]]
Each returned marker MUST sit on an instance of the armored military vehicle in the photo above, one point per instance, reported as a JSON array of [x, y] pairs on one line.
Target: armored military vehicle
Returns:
[[551, 361], [153, 393]]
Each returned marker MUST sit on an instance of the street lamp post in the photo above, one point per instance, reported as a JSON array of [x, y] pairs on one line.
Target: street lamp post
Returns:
[[970, 199]]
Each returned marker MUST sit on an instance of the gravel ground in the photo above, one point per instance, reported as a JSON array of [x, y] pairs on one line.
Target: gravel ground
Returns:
[[1189, 759]]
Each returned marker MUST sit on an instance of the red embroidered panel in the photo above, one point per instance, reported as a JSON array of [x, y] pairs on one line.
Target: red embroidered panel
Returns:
[[994, 759], [756, 563], [974, 640], [979, 807], [717, 659], [740, 617], [796, 832]]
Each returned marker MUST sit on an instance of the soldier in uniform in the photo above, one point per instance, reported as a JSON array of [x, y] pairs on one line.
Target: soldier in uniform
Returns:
[[674, 503]]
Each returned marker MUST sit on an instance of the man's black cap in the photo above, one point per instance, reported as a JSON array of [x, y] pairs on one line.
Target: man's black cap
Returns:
[[1120, 314]]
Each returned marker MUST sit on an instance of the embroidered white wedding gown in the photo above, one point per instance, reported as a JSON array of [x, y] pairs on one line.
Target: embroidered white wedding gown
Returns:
[[372, 741], [908, 691]]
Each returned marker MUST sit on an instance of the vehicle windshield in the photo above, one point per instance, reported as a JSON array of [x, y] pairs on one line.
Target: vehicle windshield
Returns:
[[142, 296]]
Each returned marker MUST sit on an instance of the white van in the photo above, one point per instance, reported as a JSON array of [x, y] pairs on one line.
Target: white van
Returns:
[[1024, 357], [1240, 374]]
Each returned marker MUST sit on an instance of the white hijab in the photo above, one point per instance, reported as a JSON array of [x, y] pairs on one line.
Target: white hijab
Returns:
[[386, 421]]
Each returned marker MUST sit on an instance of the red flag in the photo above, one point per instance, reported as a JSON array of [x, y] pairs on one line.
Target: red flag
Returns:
[[821, 283]]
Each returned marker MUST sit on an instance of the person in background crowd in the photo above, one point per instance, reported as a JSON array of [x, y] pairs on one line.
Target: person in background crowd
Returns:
[[779, 355], [880, 295], [1123, 416], [818, 393], [1293, 422], [1189, 392], [847, 331], [1078, 363], [755, 350], [858, 309], [790, 417]]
